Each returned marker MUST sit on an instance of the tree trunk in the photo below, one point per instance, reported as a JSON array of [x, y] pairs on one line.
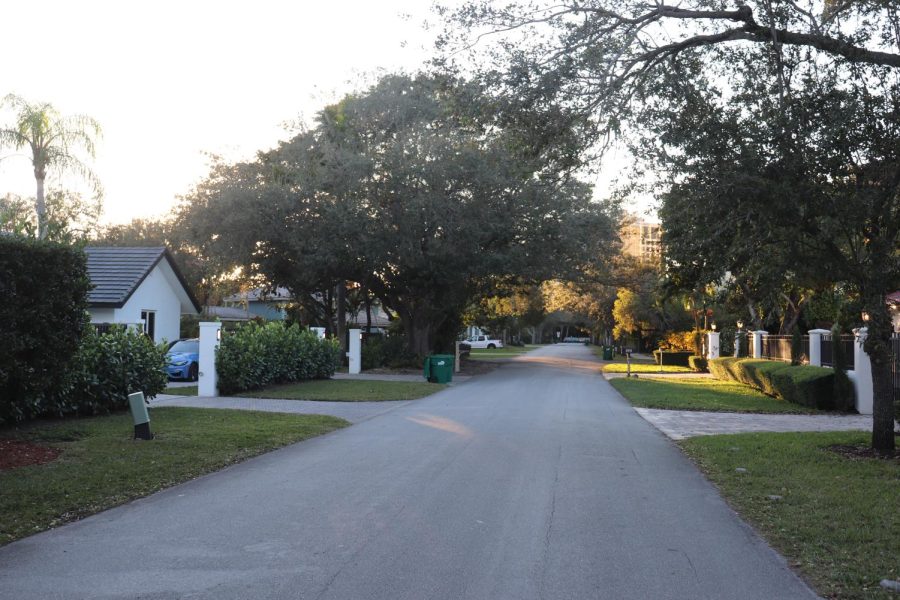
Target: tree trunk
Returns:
[[40, 206], [878, 347], [419, 331]]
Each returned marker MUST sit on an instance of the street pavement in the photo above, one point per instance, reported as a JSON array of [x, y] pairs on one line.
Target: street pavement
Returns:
[[536, 481]]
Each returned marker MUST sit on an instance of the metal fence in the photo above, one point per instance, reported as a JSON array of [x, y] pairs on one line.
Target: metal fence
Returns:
[[778, 347], [846, 341]]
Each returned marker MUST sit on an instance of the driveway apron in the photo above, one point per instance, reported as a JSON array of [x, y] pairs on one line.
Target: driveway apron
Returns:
[[534, 481]]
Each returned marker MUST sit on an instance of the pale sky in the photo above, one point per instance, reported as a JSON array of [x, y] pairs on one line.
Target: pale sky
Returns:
[[171, 82]]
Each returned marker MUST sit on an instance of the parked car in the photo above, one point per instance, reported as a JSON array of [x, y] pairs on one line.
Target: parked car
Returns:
[[183, 360], [483, 341]]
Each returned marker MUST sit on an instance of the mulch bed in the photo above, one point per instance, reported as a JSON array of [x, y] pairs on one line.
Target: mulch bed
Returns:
[[862, 452], [16, 453]]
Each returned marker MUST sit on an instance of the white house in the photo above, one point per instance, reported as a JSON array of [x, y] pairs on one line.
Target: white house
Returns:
[[140, 287]]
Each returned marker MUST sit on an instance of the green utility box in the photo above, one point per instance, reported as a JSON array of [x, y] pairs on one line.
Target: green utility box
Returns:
[[439, 368], [607, 353]]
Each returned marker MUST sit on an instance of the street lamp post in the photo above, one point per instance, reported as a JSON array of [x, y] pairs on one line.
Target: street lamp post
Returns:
[[737, 338]]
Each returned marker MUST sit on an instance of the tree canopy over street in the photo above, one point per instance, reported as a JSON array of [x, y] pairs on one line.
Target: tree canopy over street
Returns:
[[772, 131], [422, 190]]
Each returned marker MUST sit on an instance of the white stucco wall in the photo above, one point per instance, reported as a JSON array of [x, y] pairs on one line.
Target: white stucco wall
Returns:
[[102, 315], [157, 294]]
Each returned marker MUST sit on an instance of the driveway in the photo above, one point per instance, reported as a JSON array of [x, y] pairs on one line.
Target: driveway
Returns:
[[534, 481]]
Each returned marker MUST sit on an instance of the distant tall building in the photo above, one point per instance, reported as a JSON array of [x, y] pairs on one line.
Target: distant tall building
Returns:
[[642, 239]]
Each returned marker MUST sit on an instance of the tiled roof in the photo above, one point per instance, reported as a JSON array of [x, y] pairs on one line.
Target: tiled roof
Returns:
[[116, 272]]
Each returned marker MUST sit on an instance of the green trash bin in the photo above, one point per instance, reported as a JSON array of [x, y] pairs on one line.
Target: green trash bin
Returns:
[[607, 353], [439, 368]]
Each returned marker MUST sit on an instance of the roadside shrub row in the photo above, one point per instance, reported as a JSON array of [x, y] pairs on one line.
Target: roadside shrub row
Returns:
[[254, 356], [801, 384], [677, 358], [387, 351], [698, 363], [44, 289]]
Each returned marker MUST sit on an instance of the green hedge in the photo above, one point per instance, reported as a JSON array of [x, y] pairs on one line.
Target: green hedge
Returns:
[[801, 384], [254, 356], [108, 367], [698, 363], [44, 289], [677, 358]]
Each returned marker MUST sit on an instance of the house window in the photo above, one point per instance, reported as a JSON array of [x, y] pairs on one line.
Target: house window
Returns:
[[148, 317]]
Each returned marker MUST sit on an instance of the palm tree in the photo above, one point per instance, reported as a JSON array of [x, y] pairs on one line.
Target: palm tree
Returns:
[[52, 138]]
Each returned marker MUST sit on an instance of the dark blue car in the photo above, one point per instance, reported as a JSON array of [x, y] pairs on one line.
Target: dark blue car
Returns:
[[184, 360]]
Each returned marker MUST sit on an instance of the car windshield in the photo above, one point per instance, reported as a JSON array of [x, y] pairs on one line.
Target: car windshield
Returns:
[[186, 346]]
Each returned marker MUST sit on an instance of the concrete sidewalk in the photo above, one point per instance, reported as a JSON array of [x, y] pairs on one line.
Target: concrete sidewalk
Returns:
[[681, 424]]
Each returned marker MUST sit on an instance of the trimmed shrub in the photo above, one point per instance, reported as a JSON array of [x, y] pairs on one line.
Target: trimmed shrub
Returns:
[[108, 367], [676, 358], [698, 363], [44, 288], [801, 384], [254, 356], [680, 340], [806, 385]]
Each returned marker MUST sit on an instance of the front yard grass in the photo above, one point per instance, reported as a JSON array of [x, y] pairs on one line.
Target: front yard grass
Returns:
[[701, 393], [505, 352], [101, 466], [348, 390], [837, 520], [619, 364]]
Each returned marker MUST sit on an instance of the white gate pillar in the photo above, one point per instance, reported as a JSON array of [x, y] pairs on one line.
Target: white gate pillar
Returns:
[[862, 379], [815, 346], [712, 345], [355, 352], [757, 342], [208, 380]]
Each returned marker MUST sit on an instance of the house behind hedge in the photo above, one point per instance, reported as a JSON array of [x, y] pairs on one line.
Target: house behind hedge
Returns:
[[138, 286]]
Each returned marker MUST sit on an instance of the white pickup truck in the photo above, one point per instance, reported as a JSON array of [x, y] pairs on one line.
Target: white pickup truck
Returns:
[[483, 341]]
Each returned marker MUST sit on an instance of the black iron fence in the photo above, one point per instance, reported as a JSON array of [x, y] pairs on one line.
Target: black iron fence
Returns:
[[847, 342], [778, 347]]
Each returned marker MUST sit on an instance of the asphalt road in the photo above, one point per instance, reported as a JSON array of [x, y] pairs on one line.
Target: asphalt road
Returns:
[[535, 481]]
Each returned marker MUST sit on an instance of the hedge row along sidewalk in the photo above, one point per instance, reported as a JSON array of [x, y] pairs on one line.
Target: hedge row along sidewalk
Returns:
[[814, 387], [101, 466]]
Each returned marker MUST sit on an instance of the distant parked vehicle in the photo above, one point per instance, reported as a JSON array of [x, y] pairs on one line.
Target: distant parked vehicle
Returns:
[[183, 360], [483, 341]]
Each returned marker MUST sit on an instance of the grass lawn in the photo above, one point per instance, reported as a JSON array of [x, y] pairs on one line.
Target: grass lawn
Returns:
[[506, 352], [683, 393], [643, 367], [838, 519], [619, 364], [188, 390], [101, 466], [348, 390]]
